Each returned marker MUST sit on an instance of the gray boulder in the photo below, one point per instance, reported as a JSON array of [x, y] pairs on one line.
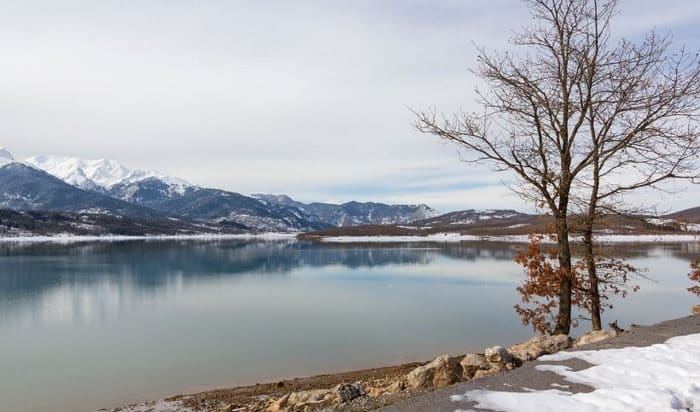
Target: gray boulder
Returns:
[[349, 391]]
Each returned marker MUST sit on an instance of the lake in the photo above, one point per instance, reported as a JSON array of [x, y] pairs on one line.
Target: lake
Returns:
[[101, 324]]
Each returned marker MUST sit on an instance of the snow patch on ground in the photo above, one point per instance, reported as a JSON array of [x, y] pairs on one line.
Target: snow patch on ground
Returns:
[[661, 221], [5, 157], [438, 237], [662, 377], [669, 238], [463, 222], [457, 237]]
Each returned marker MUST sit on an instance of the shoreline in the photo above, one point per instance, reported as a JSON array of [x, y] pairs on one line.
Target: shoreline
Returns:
[[549, 374], [456, 238], [395, 387], [447, 237], [121, 238]]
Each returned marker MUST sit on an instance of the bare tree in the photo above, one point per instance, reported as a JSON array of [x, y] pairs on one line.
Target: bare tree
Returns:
[[546, 108], [642, 122]]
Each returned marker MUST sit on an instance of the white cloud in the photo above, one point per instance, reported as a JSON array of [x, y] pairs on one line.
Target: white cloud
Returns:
[[296, 97]]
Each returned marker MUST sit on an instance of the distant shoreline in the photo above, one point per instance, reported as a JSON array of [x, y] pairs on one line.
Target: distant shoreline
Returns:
[[431, 238], [456, 238], [119, 238]]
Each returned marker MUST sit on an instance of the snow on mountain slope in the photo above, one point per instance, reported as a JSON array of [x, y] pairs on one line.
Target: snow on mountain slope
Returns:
[[25, 187], [471, 216], [99, 175], [5, 157], [354, 213], [171, 196]]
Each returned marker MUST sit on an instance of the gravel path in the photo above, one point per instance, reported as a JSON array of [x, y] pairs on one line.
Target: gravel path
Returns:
[[526, 377]]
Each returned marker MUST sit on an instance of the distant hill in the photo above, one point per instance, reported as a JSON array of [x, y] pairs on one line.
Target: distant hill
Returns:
[[688, 215], [510, 222], [473, 217], [489, 222], [222, 207], [354, 213], [37, 223]]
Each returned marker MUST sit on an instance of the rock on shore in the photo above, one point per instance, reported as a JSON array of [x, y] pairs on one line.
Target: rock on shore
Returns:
[[594, 336], [376, 391]]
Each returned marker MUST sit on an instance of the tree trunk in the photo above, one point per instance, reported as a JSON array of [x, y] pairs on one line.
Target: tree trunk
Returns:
[[594, 293], [563, 325]]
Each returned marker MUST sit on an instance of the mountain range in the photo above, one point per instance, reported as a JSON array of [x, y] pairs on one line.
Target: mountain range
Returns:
[[50, 194], [87, 187]]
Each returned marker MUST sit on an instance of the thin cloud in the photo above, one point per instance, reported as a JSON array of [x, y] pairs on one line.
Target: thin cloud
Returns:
[[307, 98]]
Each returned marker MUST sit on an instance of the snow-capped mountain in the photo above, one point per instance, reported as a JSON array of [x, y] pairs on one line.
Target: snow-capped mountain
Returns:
[[354, 213], [28, 188], [5, 157], [69, 184], [170, 196], [149, 191], [227, 208], [102, 175]]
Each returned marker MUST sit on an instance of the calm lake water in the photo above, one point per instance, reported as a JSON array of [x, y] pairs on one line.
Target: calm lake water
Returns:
[[91, 325]]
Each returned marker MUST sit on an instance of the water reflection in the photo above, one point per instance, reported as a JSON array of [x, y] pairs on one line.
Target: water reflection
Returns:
[[32, 269], [119, 322], [27, 271]]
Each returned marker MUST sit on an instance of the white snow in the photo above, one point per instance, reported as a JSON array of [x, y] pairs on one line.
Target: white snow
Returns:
[[462, 222], [457, 237], [102, 173], [662, 377], [425, 212], [5, 157], [661, 221], [668, 238], [68, 238], [439, 237], [685, 226]]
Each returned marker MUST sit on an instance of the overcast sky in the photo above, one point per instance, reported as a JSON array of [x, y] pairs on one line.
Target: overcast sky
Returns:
[[308, 98]]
